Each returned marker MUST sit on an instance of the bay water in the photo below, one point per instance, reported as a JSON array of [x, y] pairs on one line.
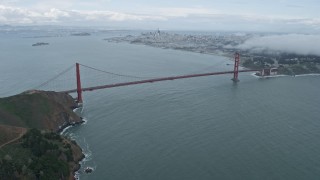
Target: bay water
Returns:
[[199, 128]]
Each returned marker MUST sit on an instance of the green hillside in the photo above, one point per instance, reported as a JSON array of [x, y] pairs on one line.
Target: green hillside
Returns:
[[24, 110], [38, 109]]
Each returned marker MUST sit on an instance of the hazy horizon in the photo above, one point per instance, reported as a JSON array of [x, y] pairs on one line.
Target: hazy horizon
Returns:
[[297, 43], [231, 15]]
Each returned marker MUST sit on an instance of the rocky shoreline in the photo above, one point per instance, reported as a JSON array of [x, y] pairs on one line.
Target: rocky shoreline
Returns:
[[76, 149], [78, 157]]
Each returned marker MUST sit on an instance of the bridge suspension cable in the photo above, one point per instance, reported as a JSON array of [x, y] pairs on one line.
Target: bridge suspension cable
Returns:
[[124, 81], [116, 74], [55, 77]]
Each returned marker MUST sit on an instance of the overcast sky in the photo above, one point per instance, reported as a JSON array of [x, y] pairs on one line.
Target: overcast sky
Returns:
[[297, 16]]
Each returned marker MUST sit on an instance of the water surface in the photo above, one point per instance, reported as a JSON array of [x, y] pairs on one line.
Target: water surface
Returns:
[[201, 128]]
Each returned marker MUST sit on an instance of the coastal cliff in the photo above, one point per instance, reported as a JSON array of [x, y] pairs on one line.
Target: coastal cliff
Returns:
[[31, 147]]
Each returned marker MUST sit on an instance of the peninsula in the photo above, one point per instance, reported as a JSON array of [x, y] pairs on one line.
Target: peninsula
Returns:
[[30, 146], [226, 44]]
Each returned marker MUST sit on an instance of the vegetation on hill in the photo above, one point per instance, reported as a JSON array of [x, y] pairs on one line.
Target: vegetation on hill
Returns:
[[39, 156]]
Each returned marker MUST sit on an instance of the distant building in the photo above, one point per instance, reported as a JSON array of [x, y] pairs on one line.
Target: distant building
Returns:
[[269, 72]]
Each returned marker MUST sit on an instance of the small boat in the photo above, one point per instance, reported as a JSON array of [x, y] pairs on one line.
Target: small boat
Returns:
[[88, 170]]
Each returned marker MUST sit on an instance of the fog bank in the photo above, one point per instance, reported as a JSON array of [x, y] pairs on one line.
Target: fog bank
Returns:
[[290, 43]]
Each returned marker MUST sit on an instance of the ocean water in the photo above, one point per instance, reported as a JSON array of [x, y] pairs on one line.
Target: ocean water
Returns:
[[200, 128]]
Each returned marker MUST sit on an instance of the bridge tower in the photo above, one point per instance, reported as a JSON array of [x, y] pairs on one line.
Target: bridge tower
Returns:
[[79, 89], [236, 67]]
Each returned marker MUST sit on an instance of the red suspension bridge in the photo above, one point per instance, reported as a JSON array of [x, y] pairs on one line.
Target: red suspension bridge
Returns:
[[79, 89]]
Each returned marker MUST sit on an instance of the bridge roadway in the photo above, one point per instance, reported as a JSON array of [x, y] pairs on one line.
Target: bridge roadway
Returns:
[[154, 80]]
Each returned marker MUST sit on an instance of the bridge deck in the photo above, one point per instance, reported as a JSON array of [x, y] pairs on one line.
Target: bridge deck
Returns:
[[154, 80]]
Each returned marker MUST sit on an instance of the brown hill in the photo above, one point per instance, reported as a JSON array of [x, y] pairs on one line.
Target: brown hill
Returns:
[[10, 134]]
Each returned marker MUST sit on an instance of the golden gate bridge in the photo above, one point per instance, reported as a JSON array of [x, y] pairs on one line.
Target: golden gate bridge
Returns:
[[79, 89]]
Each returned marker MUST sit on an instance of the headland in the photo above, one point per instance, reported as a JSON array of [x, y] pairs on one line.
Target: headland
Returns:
[[30, 144]]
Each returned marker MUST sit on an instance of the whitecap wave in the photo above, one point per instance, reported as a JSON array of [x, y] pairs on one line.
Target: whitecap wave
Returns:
[[87, 152], [302, 75], [282, 75], [65, 130], [85, 121], [273, 76]]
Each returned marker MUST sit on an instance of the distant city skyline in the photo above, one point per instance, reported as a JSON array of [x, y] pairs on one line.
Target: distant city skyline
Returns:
[[230, 15]]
